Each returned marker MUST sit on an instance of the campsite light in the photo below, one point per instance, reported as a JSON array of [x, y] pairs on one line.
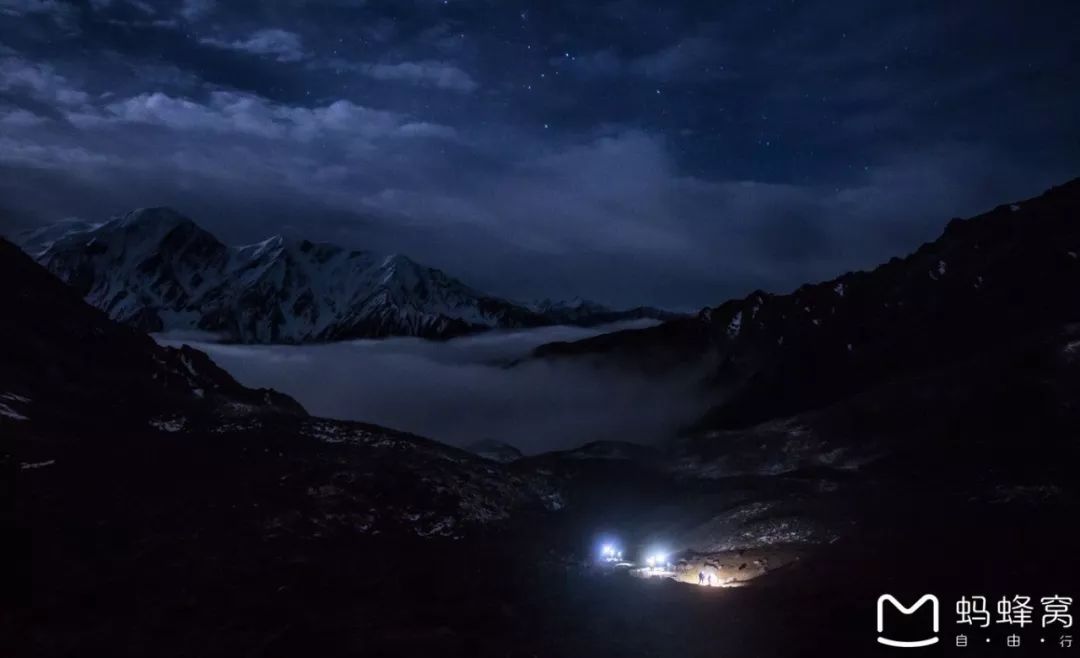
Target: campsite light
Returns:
[[657, 560], [610, 552]]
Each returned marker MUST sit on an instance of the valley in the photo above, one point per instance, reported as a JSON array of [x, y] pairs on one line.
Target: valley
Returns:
[[179, 505], [559, 329]]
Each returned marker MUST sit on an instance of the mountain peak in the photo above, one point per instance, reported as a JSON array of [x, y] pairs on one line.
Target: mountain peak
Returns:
[[145, 228], [272, 243], [156, 269], [154, 216], [398, 261], [494, 450], [574, 304]]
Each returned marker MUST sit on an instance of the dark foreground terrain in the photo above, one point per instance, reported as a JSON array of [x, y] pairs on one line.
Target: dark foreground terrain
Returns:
[[159, 508], [173, 557]]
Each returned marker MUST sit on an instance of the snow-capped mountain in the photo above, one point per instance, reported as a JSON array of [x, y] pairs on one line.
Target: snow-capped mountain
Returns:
[[79, 391], [157, 270], [37, 241], [583, 312]]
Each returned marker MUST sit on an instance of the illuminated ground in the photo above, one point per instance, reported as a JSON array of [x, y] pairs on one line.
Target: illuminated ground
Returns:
[[729, 568]]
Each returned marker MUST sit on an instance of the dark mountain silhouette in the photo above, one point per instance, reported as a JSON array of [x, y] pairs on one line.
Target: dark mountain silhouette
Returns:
[[985, 285]]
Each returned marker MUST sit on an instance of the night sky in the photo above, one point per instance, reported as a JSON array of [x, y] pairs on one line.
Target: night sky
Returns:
[[671, 153]]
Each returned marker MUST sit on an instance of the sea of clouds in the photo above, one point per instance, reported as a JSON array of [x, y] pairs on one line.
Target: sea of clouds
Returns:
[[471, 388]]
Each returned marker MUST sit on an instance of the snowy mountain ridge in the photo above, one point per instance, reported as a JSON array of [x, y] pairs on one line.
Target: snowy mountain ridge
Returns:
[[584, 312], [157, 270]]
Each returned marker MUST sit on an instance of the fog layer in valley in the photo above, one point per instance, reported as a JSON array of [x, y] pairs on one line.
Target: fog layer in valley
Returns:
[[462, 390]]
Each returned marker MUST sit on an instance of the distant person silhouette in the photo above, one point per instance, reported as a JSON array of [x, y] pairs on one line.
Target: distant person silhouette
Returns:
[[701, 578]]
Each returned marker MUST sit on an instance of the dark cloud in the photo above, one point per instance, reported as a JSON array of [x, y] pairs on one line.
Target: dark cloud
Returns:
[[693, 56], [194, 10], [62, 14], [427, 73], [663, 153], [38, 82], [282, 45]]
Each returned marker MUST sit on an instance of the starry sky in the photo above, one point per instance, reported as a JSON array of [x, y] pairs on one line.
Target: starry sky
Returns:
[[630, 151]]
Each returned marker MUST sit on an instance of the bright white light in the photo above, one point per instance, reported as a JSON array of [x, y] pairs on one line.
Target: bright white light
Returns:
[[657, 560], [607, 550]]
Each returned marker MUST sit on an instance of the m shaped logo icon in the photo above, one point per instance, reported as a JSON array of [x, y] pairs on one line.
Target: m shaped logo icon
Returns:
[[935, 610]]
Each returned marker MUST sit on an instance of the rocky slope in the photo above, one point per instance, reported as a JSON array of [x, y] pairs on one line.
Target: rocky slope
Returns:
[[65, 362], [987, 283], [157, 270], [951, 375], [87, 397], [494, 450]]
